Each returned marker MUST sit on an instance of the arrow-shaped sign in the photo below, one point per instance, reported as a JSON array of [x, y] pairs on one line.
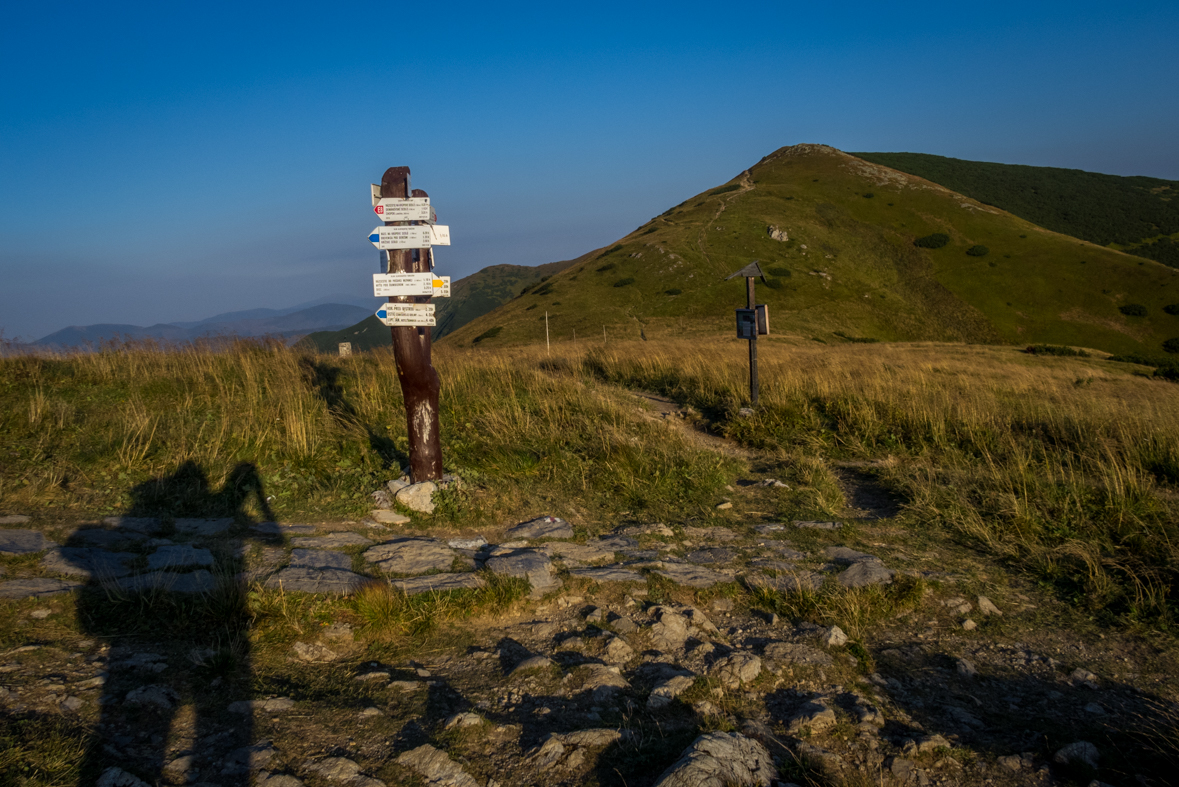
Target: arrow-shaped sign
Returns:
[[404, 237], [419, 314]]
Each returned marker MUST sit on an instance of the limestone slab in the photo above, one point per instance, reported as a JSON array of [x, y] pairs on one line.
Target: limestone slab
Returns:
[[332, 541], [690, 575], [276, 529], [541, 527], [14, 519], [168, 581], [30, 588], [88, 563], [203, 527], [411, 556], [869, 572], [709, 556], [438, 582], [140, 524], [530, 564], [331, 581], [320, 559], [23, 542], [608, 574], [578, 553], [179, 556], [716, 759]]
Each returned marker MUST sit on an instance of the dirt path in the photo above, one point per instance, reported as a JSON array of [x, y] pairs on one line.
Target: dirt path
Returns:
[[746, 185]]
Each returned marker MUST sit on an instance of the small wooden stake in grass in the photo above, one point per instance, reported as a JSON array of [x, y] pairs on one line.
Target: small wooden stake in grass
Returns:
[[411, 350], [547, 348], [748, 323]]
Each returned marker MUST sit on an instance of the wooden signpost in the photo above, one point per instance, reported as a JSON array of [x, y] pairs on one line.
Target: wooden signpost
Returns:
[[411, 342], [752, 321]]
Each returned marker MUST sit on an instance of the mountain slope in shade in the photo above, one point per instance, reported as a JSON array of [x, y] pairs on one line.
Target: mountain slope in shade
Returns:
[[836, 236], [470, 297]]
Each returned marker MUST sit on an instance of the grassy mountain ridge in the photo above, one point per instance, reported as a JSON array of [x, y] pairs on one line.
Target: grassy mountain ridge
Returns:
[[836, 235], [470, 297], [1135, 214]]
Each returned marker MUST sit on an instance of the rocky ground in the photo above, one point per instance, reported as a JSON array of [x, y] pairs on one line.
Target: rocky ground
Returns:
[[672, 654]]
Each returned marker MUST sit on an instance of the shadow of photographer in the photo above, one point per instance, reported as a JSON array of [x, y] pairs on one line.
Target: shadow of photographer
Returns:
[[167, 594]]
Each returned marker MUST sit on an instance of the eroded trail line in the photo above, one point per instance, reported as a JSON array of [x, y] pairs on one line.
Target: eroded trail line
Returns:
[[666, 411], [746, 185]]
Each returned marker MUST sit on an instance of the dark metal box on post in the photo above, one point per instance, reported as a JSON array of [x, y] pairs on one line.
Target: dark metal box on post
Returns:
[[752, 321]]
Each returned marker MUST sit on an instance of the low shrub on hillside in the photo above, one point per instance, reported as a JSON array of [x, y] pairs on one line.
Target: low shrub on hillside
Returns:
[[978, 251], [1172, 308], [624, 282], [724, 189], [606, 267], [869, 195], [488, 334], [774, 284], [610, 250], [1172, 345], [1133, 310], [781, 272], [544, 289], [673, 291], [934, 241], [1055, 349]]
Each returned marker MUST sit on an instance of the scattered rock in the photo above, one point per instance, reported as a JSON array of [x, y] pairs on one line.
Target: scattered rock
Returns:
[[1078, 753], [932, 743], [618, 652], [386, 517], [117, 777], [713, 555], [986, 607], [274, 705], [848, 556], [436, 767], [531, 663], [736, 669], [668, 690], [818, 525], [719, 759], [72, 704], [23, 542], [966, 668], [460, 720], [603, 681], [478, 542], [862, 574], [812, 718], [154, 694], [247, 758], [314, 652], [1012, 762], [418, 497], [969, 625], [670, 631], [530, 564], [833, 637], [789, 653], [320, 559], [267, 779], [725, 506], [541, 527], [14, 519], [579, 553], [336, 769], [778, 234]]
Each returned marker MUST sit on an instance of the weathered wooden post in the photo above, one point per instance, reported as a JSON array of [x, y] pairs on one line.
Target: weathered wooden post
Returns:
[[751, 321], [411, 350]]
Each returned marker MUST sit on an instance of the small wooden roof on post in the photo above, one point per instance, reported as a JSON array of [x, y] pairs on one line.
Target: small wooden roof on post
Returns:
[[749, 271]]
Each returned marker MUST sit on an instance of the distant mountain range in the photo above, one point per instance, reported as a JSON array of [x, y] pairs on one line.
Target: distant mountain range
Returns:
[[291, 323]]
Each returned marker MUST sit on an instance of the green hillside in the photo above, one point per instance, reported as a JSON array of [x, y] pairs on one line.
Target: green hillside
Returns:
[[1135, 214], [845, 265], [470, 297]]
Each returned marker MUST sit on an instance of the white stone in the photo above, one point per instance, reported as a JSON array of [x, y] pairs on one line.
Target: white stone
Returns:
[[721, 759]]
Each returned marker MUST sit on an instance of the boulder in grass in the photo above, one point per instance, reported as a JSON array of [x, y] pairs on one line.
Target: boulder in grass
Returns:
[[541, 527]]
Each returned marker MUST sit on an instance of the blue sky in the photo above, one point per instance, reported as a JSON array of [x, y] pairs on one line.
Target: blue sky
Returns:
[[164, 162]]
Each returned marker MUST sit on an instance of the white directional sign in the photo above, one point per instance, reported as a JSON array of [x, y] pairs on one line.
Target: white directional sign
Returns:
[[401, 237], [406, 284], [410, 285], [439, 235], [411, 209], [376, 189], [419, 314]]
